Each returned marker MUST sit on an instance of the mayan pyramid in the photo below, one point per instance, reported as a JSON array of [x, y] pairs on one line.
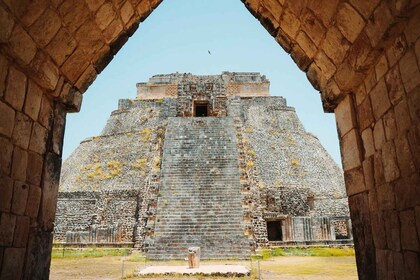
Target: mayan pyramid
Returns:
[[211, 161]]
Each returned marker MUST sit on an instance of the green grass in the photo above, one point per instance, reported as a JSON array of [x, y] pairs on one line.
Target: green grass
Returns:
[[88, 252], [313, 252]]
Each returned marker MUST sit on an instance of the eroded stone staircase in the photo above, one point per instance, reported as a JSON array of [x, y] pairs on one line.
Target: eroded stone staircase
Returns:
[[200, 201]]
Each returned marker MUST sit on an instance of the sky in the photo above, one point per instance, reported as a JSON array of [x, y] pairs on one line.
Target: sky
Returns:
[[176, 37]]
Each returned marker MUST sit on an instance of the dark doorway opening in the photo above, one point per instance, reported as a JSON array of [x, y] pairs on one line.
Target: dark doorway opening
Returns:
[[274, 231], [201, 110]]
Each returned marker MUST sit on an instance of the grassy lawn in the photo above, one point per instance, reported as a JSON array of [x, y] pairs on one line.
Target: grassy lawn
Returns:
[[314, 264]]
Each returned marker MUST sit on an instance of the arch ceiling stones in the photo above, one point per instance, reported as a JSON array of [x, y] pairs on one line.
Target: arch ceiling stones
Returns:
[[363, 57]]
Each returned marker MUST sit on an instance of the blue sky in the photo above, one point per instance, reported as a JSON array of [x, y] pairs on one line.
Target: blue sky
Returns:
[[176, 37]]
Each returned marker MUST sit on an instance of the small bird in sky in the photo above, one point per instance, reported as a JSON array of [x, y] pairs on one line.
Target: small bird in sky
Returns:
[[209, 52]]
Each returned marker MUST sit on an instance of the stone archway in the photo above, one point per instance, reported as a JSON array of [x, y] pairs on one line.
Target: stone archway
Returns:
[[363, 56]]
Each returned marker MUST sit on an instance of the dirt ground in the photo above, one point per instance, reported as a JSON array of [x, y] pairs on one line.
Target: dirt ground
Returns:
[[284, 268]]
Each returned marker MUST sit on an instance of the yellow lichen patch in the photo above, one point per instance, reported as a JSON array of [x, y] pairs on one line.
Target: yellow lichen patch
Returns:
[[295, 162], [145, 135], [261, 185], [249, 164], [156, 163], [97, 172], [248, 130], [141, 164]]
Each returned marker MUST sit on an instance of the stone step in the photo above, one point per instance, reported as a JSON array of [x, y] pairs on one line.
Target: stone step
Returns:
[[200, 199]]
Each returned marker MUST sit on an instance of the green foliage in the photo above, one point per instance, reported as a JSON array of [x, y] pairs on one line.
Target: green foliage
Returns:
[[88, 252], [314, 252]]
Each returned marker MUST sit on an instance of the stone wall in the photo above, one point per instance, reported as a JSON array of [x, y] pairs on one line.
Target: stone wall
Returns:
[[103, 183], [289, 172]]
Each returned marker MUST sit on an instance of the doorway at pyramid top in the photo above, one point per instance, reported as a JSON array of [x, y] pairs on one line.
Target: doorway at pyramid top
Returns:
[[203, 95]]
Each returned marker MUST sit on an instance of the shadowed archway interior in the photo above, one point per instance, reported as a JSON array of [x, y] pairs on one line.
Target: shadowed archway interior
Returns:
[[363, 57]]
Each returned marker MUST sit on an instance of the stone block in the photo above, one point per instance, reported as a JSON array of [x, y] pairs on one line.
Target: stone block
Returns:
[[306, 44], [347, 78], [398, 260], [16, 88], [5, 156], [381, 67], [405, 193], [409, 237], [392, 227], [325, 10], [45, 112], [105, 15], [368, 144], [379, 134], [365, 8], [289, 23], [14, 259], [345, 116], [413, 137], [34, 199], [90, 37], [382, 263], [20, 197], [34, 170], [21, 231], [4, 68], [370, 81], [411, 32], [127, 12], [94, 4], [6, 190], [315, 77], [20, 161], [386, 197], [396, 50], [33, 100], [325, 64], [46, 73], [410, 73], [21, 45], [74, 13], [350, 150], [61, 46], [313, 27], [58, 129], [402, 116], [22, 130], [413, 102], [417, 213], [380, 99], [349, 21], [333, 39], [394, 84], [302, 60], [368, 173], [83, 83], [7, 228], [379, 23], [45, 28], [411, 265], [389, 160], [378, 169], [355, 182], [113, 30], [51, 178], [389, 125], [27, 11], [7, 23], [38, 139], [365, 113], [7, 119], [75, 65]]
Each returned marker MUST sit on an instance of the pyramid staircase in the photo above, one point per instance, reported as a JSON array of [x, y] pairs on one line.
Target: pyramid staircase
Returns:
[[200, 202]]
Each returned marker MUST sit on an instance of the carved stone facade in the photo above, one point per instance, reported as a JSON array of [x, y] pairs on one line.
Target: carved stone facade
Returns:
[[285, 186]]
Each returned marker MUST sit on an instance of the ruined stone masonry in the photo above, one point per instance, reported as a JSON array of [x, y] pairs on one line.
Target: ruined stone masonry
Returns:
[[211, 161], [362, 56]]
